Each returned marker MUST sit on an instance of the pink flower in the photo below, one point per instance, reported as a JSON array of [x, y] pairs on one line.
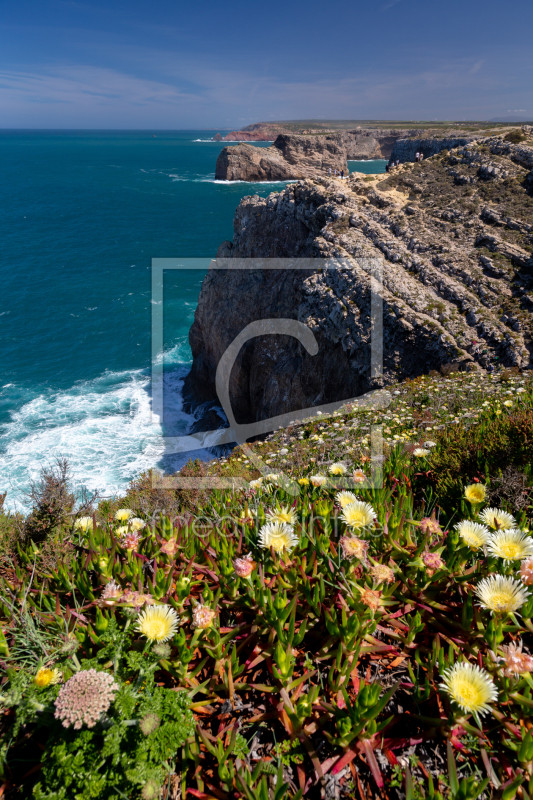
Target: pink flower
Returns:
[[352, 547], [130, 540], [84, 698], [202, 617], [359, 476], [371, 598], [526, 571], [112, 593], [170, 547], [430, 525], [432, 561], [244, 566], [516, 662]]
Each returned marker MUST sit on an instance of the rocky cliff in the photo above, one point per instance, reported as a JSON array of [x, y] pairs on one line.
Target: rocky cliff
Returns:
[[405, 149], [289, 157], [455, 234]]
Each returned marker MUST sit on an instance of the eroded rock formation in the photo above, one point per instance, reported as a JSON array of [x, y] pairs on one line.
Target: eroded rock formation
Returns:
[[456, 239]]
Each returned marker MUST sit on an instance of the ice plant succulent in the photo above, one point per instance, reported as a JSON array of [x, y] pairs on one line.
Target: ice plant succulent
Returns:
[[473, 534], [471, 688], [158, 623], [358, 515], [526, 571], [338, 468], [84, 698], [345, 498], [511, 544], [497, 519], [318, 480], [123, 514], [283, 514], [500, 594], [244, 566], [278, 535], [382, 574], [202, 616], [84, 524], [137, 524], [352, 547], [475, 493], [47, 677], [516, 662]]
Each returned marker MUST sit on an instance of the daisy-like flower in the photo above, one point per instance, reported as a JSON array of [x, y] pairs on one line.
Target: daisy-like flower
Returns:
[[202, 617], [338, 468], [473, 534], [501, 594], [304, 481], [158, 623], [430, 525], [516, 662], [475, 493], [273, 477], [137, 524], [345, 498], [358, 515], [318, 480], [130, 541], [359, 476], [352, 547], [471, 688], [277, 535], [430, 444], [497, 519], [283, 514], [256, 484], [83, 524], [511, 544], [47, 677], [508, 403], [421, 452], [526, 571], [123, 514], [382, 574]]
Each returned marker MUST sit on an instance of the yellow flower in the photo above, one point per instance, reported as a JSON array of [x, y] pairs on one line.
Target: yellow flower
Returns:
[[47, 677], [283, 514], [277, 535], [338, 468], [471, 688], [501, 594], [358, 514], [158, 623], [476, 493], [511, 545], [123, 514], [473, 534], [497, 519], [304, 481], [137, 524], [84, 524], [345, 498], [508, 403]]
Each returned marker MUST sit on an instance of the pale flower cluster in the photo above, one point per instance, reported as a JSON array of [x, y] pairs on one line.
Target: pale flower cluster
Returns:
[[84, 698]]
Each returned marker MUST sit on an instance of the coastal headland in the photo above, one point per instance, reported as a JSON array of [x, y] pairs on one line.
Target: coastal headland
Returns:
[[455, 235]]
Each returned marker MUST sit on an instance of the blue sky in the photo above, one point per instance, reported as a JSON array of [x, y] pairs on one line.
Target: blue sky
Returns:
[[159, 64]]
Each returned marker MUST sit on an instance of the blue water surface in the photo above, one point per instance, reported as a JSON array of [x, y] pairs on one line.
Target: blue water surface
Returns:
[[82, 215]]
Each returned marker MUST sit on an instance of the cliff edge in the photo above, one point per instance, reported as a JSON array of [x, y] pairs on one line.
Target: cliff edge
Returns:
[[455, 234]]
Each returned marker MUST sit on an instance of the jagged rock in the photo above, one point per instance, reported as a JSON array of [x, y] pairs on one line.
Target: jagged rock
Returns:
[[453, 291], [289, 157]]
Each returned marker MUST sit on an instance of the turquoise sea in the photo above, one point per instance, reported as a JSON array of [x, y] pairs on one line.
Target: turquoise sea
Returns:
[[82, 213]]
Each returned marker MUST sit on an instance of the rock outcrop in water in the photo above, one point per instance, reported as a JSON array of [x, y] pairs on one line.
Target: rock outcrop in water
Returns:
[[289, 157], [455, 234]]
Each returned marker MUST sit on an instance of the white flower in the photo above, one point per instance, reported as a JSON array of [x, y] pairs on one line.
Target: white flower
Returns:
[[471, 688], [511, 545], [501, 594], [497, 519], [318, 480], [421, 452], [338, 468], [473, 534], [278, 535], [358, 514], [345, 498]]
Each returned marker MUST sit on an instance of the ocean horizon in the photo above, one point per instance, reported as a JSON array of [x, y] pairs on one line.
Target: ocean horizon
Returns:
[[83, 214]]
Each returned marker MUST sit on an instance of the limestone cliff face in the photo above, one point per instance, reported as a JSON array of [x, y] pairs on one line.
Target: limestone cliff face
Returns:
[[289, 157], [405, 149], [455, 235]]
